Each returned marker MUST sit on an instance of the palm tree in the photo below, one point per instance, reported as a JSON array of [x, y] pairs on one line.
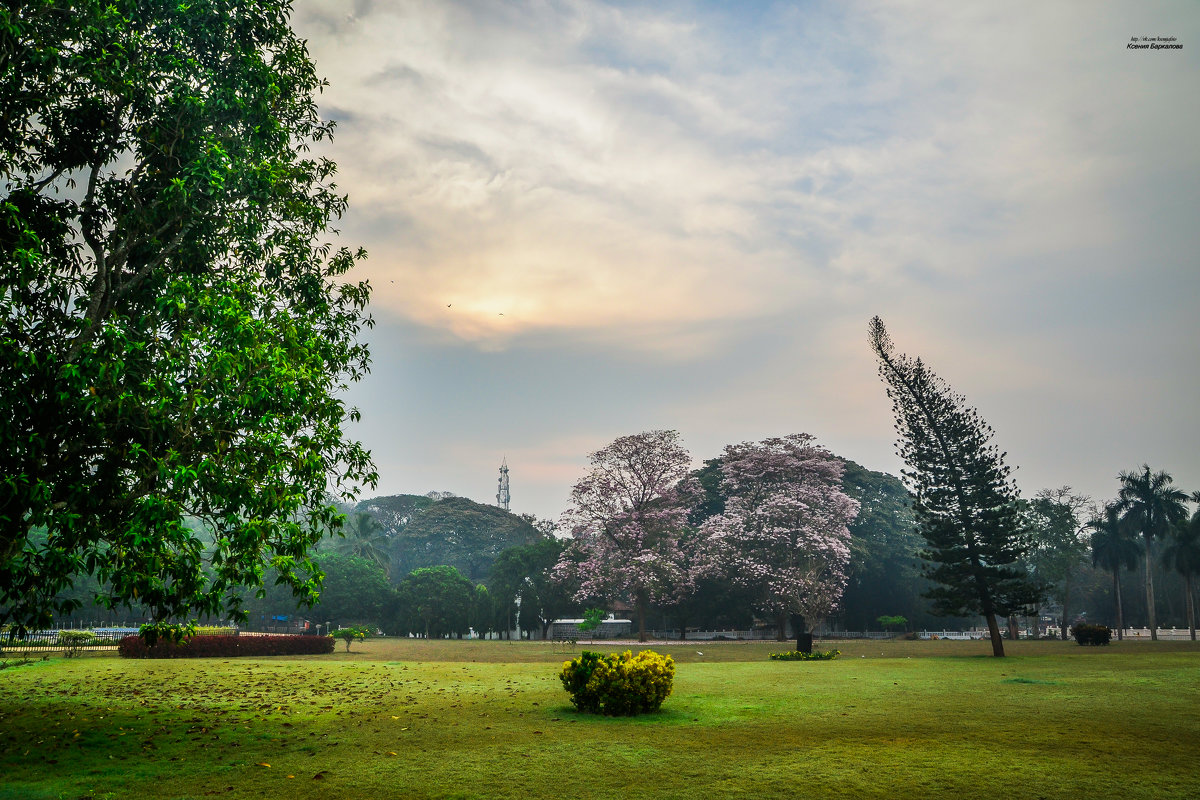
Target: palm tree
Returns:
[[1182, 554], [1114, 549], [364, 537], [1152, 506]]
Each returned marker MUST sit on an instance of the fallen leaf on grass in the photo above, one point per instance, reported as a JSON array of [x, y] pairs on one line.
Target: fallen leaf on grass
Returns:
[[263, 764]]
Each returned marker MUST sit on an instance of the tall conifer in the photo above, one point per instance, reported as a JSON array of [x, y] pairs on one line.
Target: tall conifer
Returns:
[[963, 498]]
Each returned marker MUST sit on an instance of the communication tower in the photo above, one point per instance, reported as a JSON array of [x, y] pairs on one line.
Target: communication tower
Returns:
[[502, 496]]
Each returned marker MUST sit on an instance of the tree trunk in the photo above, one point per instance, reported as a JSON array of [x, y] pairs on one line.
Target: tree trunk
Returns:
[[1190, 603], [641, 615], [1150, 588], [1066, 602], [1014, 628], [1117, 594], [804, 639], [997, 639], [781, 622]]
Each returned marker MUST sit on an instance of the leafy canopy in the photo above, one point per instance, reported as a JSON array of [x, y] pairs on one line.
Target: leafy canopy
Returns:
[[626, 517], [783, 531], [174, 329]]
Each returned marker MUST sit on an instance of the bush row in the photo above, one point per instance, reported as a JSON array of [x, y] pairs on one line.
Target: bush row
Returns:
[[226, 646], [1091, 634], [618, 685], [800, 655]]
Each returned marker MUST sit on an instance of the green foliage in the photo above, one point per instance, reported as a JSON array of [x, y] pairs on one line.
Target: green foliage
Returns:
[[175, 335], [151, 632], [460, 533], [1091, 634], [889, 622], [214, 630], [354, 591], [800, 655], [364, 537], [591, 619], [220, 646], [435, 601], [1057, 545], [1151, 505], [351, 635], [885, 570], [618, 684], [73, 642], [528, 571]]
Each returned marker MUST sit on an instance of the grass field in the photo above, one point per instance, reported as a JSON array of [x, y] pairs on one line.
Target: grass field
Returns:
[[490, 719]]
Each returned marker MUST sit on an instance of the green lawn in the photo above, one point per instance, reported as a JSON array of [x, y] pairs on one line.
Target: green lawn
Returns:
[[489, 719]]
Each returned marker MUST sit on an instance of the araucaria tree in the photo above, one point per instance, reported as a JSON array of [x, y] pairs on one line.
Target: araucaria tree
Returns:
[[963, 498], [174, 328], [626, 518], [784, 531]]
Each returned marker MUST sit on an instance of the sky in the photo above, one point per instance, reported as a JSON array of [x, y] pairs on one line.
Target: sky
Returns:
[[586, 220]]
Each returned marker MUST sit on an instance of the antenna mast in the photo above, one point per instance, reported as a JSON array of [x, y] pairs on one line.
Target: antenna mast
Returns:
[[503, 496]]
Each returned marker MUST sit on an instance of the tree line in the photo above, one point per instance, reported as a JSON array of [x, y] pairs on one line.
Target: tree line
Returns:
[[176, 330]]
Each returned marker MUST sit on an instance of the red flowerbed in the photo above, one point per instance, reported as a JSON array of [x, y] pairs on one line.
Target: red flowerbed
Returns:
[[224, 646]]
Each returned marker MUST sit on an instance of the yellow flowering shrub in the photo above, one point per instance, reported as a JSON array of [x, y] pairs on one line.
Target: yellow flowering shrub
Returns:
[[618, 685]]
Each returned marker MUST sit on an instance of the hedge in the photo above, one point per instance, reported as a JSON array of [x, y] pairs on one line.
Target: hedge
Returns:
[[227, 646], [800, 655]]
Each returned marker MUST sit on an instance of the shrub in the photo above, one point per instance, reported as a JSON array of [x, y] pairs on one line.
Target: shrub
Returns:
[[215, 630], [799, 655], [618, 685], [72, 642], [350, 635], [219, 646], [1091, 634]]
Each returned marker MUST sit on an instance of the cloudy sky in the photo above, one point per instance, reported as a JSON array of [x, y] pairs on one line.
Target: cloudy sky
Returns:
[[591, 219]]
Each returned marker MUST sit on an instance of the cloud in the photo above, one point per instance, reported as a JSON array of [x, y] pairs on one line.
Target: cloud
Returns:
[[736, 189]]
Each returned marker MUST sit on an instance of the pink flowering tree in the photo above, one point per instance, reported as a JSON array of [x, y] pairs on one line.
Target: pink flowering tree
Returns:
[[627, 521], [784, 531]]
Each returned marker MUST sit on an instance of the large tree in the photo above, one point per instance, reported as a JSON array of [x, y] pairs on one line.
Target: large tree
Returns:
[[1058, 547], [435, 601], [963, 498], [1182, 554], [783, 531], [885, 577], [1152, 505], [363, 536], [528, 572], [461, 533], [175, 331], [1114, 548], [627, 520]]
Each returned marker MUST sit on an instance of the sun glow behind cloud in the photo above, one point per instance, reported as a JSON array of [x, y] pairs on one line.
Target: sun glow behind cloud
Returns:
[[670, 179]]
